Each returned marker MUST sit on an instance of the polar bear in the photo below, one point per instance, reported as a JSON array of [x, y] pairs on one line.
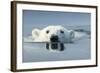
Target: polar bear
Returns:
[[53, 33]]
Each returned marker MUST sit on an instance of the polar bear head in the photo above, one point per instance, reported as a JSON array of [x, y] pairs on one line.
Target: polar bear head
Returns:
[[55, 33]]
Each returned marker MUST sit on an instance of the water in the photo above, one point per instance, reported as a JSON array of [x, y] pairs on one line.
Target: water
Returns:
[[37, 52], [78, 50]]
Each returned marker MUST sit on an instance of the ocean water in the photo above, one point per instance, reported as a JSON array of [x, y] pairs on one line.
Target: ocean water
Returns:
[[37, 52], [78, 50]]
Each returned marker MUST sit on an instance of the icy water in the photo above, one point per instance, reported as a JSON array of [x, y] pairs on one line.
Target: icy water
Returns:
[[78, 50], [37, 52]]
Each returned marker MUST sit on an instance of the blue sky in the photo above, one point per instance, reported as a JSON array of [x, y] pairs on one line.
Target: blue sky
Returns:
[[40, 19]]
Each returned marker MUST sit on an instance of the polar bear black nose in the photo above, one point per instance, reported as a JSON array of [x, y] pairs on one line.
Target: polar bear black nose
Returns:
[[54, 38]]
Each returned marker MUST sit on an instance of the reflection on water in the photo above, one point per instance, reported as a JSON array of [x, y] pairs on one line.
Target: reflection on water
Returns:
[[78, 50], [37, 52], [55, 46]]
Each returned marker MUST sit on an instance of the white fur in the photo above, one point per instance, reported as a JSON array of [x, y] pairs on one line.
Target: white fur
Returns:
[[42, 36]]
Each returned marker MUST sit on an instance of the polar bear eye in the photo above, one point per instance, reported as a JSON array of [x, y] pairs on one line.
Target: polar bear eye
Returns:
[[61, 31], [47, 31]]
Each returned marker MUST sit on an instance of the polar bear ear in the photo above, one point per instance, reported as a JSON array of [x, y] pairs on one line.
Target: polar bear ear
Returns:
[[72, 34], [35, 33]]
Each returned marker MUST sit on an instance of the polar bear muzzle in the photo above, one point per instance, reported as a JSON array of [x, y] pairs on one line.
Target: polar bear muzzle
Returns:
[[54, 38], [55, 44]]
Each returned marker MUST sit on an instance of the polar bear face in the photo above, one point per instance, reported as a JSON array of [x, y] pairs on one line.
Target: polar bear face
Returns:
[[53, 34]]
